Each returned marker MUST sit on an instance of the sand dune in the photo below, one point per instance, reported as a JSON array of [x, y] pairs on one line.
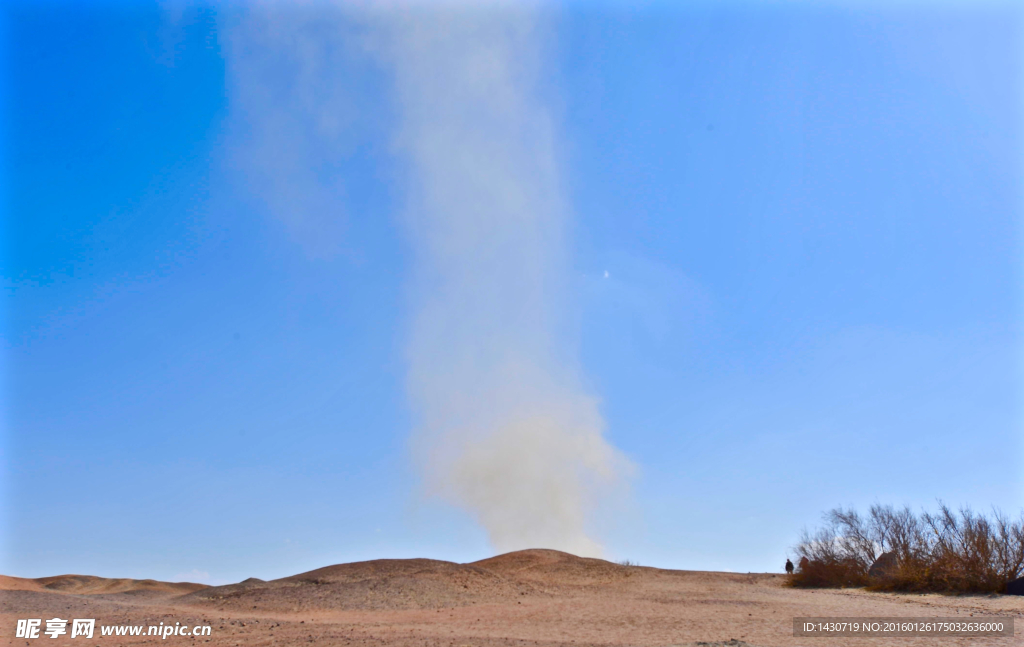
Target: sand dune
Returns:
[[528, 598], [385, 584], [92, 585], [8, 583], [552, 567], [389, 584]]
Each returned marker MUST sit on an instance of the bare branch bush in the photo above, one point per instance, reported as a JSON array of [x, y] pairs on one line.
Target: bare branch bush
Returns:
[[955, 552]]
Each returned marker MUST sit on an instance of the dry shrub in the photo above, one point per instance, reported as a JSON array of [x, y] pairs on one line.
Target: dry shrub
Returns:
[[820, 574], [972, 553], [946, 552]]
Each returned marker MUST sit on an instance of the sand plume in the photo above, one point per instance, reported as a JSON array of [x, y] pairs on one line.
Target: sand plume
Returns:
[[504, 428]]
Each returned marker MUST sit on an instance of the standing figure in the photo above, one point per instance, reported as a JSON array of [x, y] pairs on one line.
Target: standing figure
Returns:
[[789, 567]]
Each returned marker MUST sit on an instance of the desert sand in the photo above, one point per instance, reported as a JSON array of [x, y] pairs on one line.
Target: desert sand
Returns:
[[526, 598]]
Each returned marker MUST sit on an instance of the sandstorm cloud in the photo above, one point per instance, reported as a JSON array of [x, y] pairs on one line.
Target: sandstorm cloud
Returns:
[[503, 426]]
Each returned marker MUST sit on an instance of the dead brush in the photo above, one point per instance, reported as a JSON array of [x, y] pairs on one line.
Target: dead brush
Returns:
[[945, 552]]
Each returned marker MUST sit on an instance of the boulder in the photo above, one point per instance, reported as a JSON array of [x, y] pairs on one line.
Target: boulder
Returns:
[[884, 566], [1016, 587]]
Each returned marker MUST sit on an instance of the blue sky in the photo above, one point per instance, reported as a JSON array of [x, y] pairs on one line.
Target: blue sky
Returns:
[[795, 283]]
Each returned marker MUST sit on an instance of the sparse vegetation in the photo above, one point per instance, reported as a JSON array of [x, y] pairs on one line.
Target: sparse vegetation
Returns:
[[952, 552], [627, 562]]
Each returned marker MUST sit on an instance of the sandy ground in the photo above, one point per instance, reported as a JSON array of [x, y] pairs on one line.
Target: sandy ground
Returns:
[[528, 598]]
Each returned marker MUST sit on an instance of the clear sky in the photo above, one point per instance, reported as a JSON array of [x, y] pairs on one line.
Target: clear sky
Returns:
[[794, 282]]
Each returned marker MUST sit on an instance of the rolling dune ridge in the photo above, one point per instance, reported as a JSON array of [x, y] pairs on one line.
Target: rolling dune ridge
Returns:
[[526, 598]]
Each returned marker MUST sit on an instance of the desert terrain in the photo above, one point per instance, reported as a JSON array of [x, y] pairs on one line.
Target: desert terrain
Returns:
[[527, 598]]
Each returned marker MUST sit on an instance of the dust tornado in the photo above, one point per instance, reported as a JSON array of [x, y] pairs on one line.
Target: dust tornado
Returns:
[[504, 428]]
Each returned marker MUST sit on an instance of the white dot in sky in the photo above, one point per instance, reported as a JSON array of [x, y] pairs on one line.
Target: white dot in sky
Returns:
[[606, 274]]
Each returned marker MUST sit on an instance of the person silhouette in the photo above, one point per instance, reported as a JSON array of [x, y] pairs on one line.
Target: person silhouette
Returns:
[[789, 567]]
